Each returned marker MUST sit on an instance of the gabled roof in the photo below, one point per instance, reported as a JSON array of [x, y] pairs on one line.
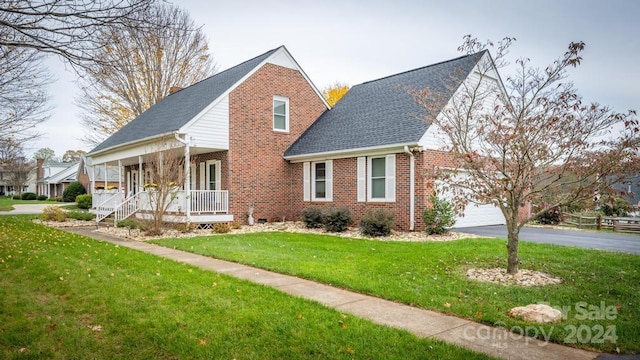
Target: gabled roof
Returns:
[[381, 112], [68, 174], [177, 109]]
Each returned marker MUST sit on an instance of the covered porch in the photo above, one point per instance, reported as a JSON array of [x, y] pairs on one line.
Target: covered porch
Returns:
[[196, 196]]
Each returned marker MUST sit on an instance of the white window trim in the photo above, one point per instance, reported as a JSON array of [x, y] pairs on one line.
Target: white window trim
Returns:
[[328, 181], [208, 175], [389, 180], [273, 113]]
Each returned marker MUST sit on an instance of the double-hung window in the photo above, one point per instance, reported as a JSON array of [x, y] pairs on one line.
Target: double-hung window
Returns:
[[280, 113], [318, 180], [376, 178]]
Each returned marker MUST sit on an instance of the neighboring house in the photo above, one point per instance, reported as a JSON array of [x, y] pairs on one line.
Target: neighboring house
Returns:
[[96, 177], [54, 177], [260, 138], [7, 178], [631, 188]]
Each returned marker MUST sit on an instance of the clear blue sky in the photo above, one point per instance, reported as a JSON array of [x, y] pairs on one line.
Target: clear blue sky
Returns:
[[356, 41]]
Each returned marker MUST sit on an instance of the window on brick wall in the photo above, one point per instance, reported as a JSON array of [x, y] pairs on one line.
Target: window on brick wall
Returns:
[[376, 178], [280, 113], [318, 180]]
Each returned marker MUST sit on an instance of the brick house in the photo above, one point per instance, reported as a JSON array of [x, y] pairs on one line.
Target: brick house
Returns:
[[260, 136]]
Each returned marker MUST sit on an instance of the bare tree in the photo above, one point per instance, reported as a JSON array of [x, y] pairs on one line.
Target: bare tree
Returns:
[[18, 171], [15, 168], [532, 141], [23, 93], [148, 63], [66, 28], [31, 28], [164, 170]]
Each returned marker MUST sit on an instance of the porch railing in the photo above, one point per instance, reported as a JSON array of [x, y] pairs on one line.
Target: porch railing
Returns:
[[209, 201], [107, 205], [127, 208]]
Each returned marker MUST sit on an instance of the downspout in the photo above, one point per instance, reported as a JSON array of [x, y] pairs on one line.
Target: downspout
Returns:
[[187, 176], [412, 189]]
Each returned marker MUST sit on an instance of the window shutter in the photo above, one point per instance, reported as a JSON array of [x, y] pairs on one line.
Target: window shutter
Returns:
[[362, 179], [193, 176], [390, 174], [329, 180], [306, 181]]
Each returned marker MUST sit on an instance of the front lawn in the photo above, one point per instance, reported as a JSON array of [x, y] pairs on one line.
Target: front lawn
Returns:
[[600, 292], [65, 296]]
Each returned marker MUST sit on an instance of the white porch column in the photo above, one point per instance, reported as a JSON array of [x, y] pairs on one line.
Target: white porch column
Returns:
[[92, 181], [119, 175], [141, 180], [106, 169], [187, 181]]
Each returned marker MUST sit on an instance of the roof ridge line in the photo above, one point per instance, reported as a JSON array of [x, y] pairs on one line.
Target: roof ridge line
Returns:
[[424, 67], [228, 69]]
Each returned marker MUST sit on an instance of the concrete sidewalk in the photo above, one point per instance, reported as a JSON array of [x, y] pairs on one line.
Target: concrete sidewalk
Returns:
[[424, 323]]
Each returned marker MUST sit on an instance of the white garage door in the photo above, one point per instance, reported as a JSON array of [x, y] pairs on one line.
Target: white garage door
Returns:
[[481, 215], [476, 215]]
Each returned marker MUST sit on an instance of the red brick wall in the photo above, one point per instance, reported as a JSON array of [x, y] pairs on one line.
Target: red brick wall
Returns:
[[345, 191], [257, 174]]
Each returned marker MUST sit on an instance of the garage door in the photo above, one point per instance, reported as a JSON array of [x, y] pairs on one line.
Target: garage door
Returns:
[[481, 215], [476, 215]]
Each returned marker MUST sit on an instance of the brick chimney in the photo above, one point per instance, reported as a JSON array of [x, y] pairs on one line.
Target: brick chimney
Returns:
[[174, 89], [40, 167]]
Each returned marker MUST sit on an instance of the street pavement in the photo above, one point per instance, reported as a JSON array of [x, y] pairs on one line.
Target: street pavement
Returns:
[[629, 243]]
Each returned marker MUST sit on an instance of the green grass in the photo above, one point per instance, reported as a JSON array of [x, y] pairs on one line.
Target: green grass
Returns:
[[432, 275], [6, 203], [65, 296]]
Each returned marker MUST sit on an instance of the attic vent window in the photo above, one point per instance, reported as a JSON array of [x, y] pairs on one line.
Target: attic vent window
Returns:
[[280, 113]]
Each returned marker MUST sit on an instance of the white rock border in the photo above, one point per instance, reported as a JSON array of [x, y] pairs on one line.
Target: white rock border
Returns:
[[522, 278]]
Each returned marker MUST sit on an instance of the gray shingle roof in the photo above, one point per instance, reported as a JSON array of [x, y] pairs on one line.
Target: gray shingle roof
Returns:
[[381, 112], [177, 109]]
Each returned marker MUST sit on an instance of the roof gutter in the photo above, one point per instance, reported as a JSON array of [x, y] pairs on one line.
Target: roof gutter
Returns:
[[147, 139], [341, 154]]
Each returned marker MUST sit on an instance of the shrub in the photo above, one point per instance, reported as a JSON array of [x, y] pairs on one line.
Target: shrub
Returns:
[[312, 217], [81, 215], [84, 201], [616, 206], [128, 223], [53, 213], [236, 225], [377, 223], [16, 197], [29, 196], [74, 189], [438, 218], [185, 227], [337, 220], [42, 197], [552, 216], [221, 228]]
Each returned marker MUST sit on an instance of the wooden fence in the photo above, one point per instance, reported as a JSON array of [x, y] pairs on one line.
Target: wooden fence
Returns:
[[614, 223]]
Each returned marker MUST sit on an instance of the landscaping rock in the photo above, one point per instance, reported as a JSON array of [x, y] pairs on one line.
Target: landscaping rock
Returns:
[[522, 277], [539, 313]]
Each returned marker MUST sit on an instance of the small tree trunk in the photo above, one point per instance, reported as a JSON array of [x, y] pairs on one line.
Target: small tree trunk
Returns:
[[512, 249], [513, 235]]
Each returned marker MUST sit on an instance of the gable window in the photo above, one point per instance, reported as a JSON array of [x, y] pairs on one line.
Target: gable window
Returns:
[[280, 113], [318, 181], [376, 177]]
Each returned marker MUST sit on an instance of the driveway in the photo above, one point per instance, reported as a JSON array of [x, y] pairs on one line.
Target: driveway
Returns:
[[629, 243], [19, 209]]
